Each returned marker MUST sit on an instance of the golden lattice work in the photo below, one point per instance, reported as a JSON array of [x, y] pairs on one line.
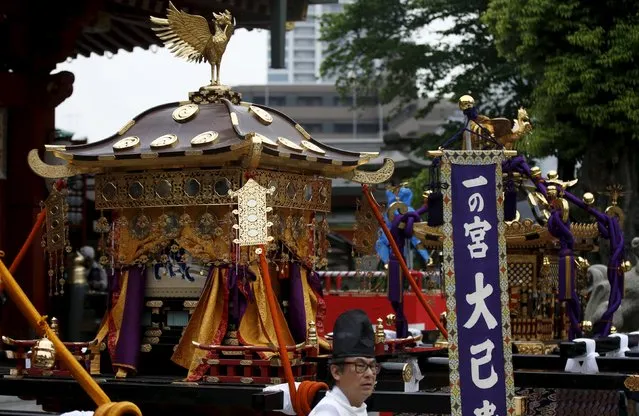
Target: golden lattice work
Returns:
[[190, 187], [521, 274], [366, 229]]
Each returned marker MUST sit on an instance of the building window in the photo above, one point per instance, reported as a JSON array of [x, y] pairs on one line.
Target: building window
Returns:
[[277, 101], [304, 66], [258, 99], [275, 77], [309, 101], [343, 128], [367, 128], [342, 101], [304, 78], [301, 31], [304, 43], [304, 55]]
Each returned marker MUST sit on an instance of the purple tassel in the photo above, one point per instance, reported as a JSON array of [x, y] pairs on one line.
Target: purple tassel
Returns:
[[510, 205], [435, 209]]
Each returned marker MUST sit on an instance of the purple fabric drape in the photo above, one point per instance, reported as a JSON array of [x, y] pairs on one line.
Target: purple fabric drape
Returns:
[[395, 276], [609, 229], [296, 309], [316, 283], [127, 349], [238, 278], [567, 285]]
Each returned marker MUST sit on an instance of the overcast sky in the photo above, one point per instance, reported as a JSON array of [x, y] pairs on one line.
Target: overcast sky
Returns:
[[108, 92]]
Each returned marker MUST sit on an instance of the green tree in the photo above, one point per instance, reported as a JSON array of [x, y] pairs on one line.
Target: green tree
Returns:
[[378, 42], [579, 58]]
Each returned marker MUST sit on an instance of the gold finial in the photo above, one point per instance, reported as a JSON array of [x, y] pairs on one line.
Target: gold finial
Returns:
[[188, 36], [614, 192], [380, 335], [625, 266], [586, 326], [466, 102], [390, 319], [553, 178], [311, 338], [589, 198], [613, 330], [535, 171], [582, 263], [551, 191], [55, 325]]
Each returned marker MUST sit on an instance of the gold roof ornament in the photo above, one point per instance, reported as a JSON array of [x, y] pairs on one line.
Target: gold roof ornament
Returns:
[[188, 36], [500, 129], [615, 192]]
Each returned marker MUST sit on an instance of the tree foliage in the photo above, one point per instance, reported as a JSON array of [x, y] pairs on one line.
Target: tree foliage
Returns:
[[579, 56], [375, 46], [570, 62]]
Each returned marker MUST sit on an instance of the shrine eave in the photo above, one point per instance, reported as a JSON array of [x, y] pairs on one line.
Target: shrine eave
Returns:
[[524, 234], [124, 24]]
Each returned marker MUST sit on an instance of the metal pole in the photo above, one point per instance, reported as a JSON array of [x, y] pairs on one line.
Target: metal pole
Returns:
[[354, 113], [278, 33], [380, 115]]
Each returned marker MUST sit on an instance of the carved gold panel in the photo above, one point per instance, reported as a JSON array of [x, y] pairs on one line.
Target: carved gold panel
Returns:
[[189, 187]]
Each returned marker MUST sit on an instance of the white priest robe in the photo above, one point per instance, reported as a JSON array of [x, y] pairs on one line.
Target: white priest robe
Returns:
[[335, 403]]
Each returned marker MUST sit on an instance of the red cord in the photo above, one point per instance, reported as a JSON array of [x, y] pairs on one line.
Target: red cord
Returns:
[[402, 262]]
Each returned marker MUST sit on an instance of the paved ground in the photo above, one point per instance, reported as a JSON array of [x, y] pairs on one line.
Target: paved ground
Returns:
[[14, 403]]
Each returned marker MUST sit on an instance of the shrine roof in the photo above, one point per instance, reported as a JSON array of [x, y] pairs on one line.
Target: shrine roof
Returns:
[[124, 24], [206, 135]]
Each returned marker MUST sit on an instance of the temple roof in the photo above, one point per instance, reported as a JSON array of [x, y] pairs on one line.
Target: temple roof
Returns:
[[186, 134]]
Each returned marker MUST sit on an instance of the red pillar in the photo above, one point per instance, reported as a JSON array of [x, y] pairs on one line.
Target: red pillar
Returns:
[[30, 124]]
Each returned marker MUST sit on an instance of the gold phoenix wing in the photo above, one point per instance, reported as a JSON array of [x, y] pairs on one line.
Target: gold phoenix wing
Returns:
[[186, 35]]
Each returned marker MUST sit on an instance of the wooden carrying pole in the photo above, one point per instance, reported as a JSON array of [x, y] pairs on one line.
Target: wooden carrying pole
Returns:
[[402, 263], [105, 406]]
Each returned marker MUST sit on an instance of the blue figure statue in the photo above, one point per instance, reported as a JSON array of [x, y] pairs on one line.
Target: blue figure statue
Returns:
[[400, 235]]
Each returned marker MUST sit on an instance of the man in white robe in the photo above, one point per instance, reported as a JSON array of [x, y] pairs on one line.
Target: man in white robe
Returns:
[[353, 367]]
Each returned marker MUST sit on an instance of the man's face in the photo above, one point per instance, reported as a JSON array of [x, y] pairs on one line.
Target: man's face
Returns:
[[356, 378]]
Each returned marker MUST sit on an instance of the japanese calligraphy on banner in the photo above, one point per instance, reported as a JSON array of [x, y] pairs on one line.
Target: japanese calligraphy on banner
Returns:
[[475, 269]]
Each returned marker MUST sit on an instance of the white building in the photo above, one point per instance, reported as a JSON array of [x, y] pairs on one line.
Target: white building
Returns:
[[303, 51]]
